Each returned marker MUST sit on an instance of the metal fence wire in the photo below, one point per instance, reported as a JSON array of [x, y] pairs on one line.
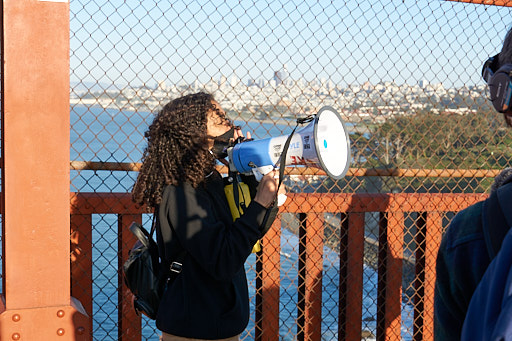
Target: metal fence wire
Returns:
[[403, 75]]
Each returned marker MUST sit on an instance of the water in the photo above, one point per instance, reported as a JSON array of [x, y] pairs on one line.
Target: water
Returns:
[[109, 135]]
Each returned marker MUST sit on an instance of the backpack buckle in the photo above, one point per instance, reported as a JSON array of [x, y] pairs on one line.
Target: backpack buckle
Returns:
[[176, 267]]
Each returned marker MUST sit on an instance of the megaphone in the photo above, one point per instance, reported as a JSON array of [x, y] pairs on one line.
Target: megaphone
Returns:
[[323, 143]]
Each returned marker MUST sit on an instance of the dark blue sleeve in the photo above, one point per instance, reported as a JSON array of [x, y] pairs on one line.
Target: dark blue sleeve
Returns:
[[461, 262], [489, 315]]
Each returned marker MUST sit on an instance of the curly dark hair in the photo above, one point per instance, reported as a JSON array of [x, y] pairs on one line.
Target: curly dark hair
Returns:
[[177, 150]]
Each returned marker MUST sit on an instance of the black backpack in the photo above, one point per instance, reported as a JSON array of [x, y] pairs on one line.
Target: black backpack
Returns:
[[145, 275]]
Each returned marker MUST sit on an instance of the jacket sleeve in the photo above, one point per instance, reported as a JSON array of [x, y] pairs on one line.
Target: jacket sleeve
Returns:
[[220, 248], [490, 309], [461, 262], [449, 312]]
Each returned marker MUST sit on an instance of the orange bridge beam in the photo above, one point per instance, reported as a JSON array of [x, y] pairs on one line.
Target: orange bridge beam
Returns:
[[36, 303], [506, 3]]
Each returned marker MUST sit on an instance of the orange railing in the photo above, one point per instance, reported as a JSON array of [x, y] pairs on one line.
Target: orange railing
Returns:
[[309, 208]]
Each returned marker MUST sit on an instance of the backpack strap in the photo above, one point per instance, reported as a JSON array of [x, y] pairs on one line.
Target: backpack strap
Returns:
[[153, 224], [497, 219], [177, 265], [505, 200], [174, 268]]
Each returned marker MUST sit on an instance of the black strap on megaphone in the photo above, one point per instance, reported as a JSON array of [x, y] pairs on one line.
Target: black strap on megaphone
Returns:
[[235, 180], [282, 159], [236, 194], [282, 165]]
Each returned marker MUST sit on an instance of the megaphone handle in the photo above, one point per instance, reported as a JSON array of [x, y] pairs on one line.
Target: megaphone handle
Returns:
[[259, 172]]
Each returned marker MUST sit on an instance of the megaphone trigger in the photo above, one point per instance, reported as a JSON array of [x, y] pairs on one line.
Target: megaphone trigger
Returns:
[[261, 171], [281, 199]]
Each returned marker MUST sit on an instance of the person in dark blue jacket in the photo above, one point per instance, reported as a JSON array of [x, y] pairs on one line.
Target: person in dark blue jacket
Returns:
[[489, 315], [462, 260], [464, 254], [209, 298]]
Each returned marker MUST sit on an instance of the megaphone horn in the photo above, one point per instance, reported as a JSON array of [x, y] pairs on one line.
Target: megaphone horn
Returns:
[[323, 144]]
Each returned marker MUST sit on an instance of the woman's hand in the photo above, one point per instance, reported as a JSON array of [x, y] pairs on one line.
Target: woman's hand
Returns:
[[267, 189], [238, 133]]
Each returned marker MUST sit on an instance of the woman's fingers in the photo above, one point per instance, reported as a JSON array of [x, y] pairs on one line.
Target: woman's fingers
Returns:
[[238, 133], [267, 189]]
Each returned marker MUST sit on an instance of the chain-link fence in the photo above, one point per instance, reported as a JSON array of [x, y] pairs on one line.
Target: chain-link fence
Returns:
[[404, 76]]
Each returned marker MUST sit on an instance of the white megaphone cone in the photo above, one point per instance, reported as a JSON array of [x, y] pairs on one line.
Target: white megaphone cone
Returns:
[[324, 144]]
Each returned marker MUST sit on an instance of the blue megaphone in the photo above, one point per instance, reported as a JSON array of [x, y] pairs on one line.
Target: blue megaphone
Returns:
[[323, 143]]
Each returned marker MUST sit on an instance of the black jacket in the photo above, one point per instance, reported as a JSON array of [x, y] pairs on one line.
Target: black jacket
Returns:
[[209, 299]]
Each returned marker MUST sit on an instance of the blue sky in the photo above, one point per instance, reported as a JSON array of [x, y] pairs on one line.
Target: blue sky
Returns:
[[348, 42]]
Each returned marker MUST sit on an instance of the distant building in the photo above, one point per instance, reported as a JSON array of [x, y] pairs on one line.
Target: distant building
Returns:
[[278, 77], [281, 76], [256, 82], [222, 81], [234, 81]]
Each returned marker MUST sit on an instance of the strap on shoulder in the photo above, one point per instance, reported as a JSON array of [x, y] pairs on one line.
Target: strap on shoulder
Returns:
[[169, 269], [497, 218], [153, 223], [505, 201]]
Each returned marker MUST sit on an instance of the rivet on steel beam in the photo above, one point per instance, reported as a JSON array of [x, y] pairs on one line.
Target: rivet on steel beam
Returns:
[[60, 331], [16, 317], [60, 313], [16, 336], [80, 330]]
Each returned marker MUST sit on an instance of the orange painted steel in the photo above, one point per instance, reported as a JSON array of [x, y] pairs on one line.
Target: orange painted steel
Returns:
[[268, 278], [129, 323], [311, 246], [505, 3], [351, 275], [35, 174], [310, 208], [398, 172], [429, 239], [81, 261], [391, 230]]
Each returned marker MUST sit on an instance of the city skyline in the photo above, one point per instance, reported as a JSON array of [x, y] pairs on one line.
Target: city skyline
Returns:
[[279, 77], [261, 99]]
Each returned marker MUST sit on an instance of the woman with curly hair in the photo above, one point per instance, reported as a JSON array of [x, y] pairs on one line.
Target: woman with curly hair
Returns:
[[209, 299]]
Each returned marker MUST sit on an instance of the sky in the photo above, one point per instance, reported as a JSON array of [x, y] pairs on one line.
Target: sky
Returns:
[[345, 41]]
